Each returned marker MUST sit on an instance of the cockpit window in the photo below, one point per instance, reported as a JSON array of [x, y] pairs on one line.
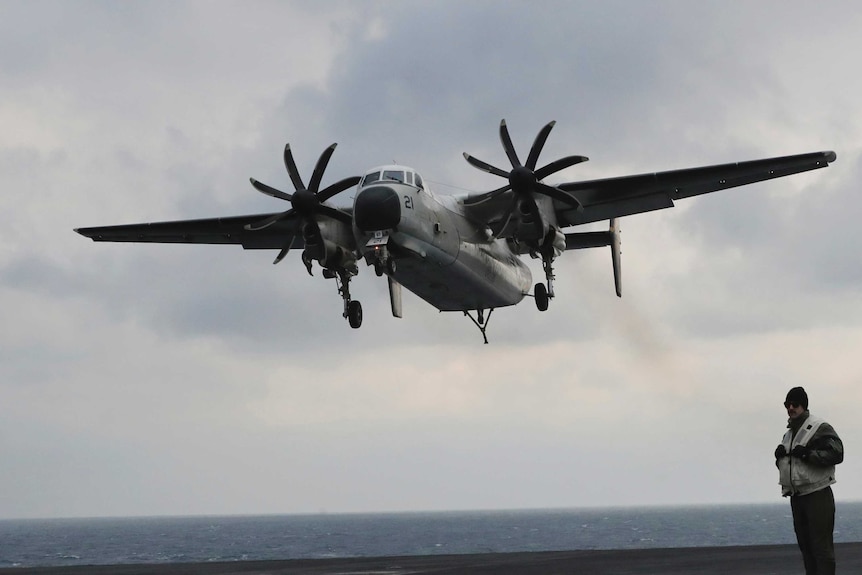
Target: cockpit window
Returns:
[[403, 176], [396, 175], [369, 178]]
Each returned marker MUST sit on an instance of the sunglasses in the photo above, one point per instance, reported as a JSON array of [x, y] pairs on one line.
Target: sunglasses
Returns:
[[789, 404]]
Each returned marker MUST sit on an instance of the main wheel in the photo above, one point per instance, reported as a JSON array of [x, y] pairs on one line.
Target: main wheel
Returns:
[[541, 294], [354, 314]]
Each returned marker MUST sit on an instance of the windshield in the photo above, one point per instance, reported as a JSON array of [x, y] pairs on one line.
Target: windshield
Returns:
[[397, 175], [369, 178], [403, 176]]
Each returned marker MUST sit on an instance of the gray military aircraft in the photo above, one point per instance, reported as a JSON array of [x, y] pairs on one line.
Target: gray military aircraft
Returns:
[[457, 252]]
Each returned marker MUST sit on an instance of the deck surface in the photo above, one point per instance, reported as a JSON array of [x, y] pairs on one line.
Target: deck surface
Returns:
[[754, 560]]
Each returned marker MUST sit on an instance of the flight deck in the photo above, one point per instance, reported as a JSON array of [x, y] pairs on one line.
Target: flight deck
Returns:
[[748, 560]]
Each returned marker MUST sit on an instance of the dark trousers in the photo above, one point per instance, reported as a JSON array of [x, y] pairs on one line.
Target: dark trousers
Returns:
[[814, 522]]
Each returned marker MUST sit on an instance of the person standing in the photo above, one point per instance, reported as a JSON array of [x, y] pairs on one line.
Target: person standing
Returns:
[[806, 460]]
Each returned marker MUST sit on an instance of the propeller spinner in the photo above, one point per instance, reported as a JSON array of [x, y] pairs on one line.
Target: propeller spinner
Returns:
[[305, 202]]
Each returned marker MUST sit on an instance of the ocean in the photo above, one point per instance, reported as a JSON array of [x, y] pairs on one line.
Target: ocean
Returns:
[[103, 541]]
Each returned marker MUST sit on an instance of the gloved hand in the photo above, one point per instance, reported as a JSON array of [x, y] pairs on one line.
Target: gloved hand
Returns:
[[801, 451], [780, 452]]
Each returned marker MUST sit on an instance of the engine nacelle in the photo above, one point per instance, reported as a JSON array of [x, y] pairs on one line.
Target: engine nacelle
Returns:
[[535, 221], [331, 243], [555, 240]]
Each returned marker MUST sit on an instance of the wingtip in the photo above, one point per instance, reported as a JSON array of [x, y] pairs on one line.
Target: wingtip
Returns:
[[830, 156], [86, 232]]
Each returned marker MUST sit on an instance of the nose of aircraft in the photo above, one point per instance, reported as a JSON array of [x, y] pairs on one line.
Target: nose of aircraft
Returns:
[[377, 208]]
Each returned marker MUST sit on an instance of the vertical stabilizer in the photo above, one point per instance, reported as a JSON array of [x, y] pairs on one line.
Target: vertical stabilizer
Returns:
[[395, 297], [581, 240], [614, 232]]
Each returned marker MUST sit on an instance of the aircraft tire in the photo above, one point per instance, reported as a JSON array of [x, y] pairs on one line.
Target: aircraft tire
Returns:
[[354, 314], [541, 294]]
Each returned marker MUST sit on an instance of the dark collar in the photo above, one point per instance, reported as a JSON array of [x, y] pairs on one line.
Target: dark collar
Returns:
[[795, 424]]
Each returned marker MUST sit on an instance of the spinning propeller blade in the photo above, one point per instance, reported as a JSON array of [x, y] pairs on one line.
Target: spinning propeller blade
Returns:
[[268, 221], [319, 168], [291, 169], [269, 191], [484, 166], [541, 138], [507, 145]]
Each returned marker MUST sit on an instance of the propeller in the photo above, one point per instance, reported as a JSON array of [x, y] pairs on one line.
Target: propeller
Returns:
[[305, 202], [525, 179]]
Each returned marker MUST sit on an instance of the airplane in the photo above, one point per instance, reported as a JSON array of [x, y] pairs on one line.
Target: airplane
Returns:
[[460, 252]]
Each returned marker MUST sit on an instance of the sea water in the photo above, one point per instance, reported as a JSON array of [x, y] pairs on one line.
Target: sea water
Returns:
[[57, 542]]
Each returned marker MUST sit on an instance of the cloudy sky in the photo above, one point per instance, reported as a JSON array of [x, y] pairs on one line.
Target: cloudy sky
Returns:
[[172, 380]]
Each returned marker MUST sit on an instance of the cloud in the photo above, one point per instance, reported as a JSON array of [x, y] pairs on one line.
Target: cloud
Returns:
[[164, 374]]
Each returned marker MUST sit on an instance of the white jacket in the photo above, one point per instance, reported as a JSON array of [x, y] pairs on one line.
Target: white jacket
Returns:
[[798, 476]]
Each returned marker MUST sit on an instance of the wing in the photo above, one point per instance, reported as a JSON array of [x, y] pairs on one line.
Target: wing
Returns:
[[615, 197], [230, 230]]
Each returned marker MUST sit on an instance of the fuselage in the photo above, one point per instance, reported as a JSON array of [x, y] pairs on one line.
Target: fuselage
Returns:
[[435, 251]]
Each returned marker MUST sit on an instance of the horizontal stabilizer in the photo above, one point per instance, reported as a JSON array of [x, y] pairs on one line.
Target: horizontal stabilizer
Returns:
[[582, 240]]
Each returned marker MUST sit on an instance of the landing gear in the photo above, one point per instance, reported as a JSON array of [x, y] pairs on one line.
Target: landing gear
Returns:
[[352, 308], [384, 267], [382, 261], [543, 293]]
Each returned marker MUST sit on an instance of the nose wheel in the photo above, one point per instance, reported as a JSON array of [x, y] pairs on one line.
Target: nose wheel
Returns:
[[382, 261]]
